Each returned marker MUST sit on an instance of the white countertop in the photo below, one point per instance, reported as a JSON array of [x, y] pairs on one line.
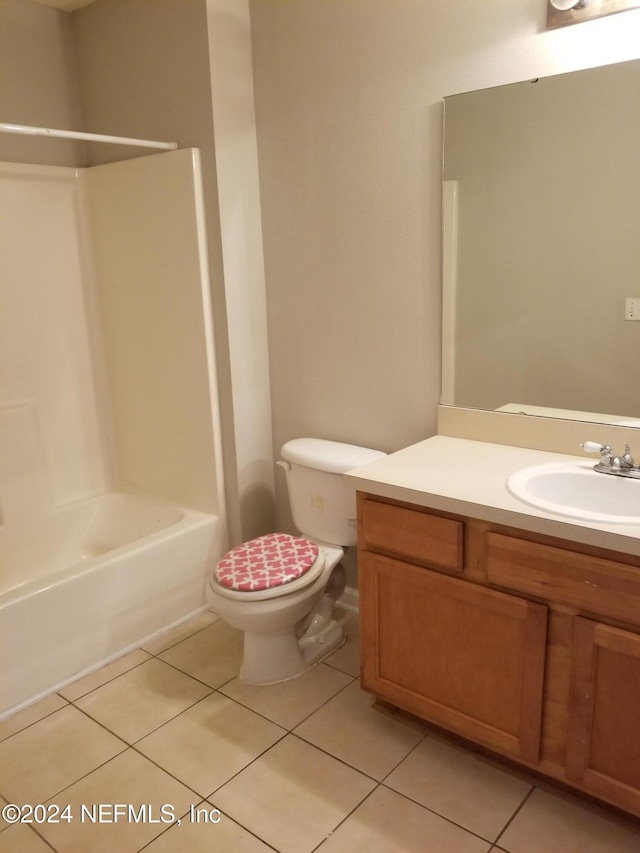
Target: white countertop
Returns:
[[470, 478]]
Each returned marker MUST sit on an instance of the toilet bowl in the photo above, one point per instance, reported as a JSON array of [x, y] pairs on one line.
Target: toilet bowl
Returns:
[[277, 646], [280, 589]]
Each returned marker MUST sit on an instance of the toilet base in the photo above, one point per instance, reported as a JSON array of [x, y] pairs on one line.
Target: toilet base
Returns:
[[271, 658]]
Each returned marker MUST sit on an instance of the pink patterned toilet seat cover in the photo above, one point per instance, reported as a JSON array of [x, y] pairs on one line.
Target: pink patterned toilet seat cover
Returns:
[[266, 562]]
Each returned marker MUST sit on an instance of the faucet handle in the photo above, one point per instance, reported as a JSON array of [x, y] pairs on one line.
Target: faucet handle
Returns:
[[627, 458], [594, 446]]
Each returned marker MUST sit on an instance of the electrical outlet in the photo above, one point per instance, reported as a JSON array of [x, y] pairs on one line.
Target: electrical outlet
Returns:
[[632, 308]]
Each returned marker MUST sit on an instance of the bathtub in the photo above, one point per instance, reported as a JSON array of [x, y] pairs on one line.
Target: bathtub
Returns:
[[97, 579]]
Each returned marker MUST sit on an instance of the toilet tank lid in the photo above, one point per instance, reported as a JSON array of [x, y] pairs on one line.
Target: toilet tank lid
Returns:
[[331, 456]]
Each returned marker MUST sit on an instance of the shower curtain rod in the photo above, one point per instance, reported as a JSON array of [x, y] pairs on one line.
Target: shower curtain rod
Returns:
[[89, 137]]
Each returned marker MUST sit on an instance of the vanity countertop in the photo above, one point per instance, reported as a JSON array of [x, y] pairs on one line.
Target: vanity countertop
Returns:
[[470, 478]]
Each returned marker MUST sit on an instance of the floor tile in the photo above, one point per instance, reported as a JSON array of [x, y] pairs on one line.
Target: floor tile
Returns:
[[352, 730], [101, 676], [388, 823], [347, 657], [136, 703], [213, 655], [128, 779], [43, 759], [549, 823], [20, 838], [457, 785], [180, 632], [210, 742], [289, 702], [293, 796], [20, 720], [199, 837]]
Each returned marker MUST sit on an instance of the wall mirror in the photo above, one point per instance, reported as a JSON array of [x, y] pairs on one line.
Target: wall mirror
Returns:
[[541, 237]]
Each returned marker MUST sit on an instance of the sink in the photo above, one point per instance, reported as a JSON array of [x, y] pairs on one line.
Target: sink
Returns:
[[576, 490]]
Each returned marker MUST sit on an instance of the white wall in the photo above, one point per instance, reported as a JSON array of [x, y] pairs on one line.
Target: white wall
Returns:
[[349, 118]]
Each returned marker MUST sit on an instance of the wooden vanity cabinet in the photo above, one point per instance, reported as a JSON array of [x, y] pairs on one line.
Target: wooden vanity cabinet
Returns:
[[526, 645], [603, 744], [465, 657]]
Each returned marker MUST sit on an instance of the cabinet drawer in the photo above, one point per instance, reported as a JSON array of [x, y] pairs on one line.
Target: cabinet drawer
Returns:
[[411, 534], [594, 584]]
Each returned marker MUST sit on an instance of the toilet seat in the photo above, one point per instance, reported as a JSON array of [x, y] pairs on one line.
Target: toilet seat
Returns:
[[269, 566]]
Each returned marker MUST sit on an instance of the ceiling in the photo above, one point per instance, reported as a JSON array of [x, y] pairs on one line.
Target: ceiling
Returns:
[[65, 5]]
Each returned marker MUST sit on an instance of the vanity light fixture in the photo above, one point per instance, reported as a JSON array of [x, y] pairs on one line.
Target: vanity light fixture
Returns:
[[565, 5], [563, 12]]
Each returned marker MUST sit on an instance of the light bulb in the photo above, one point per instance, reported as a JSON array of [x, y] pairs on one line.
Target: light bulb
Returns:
[[565, 5]]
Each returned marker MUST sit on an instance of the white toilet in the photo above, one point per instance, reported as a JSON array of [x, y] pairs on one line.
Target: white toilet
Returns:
[[280, 589]]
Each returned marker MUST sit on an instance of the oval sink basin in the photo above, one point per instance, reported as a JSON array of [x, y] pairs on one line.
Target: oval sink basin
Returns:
[[576, 490]]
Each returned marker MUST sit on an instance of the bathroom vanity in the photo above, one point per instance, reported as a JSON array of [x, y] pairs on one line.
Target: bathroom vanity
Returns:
[[505, 625]]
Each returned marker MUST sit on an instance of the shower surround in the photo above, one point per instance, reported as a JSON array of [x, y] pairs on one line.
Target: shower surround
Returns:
[[111, 492]]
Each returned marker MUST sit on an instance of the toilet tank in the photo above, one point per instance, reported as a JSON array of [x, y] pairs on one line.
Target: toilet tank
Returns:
[[322, 502]]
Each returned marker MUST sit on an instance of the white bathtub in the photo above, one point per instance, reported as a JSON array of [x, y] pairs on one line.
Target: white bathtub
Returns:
[[104, 575]]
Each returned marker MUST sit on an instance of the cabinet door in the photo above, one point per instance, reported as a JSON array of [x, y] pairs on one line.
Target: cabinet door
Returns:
[[603, 747], [462, 656]]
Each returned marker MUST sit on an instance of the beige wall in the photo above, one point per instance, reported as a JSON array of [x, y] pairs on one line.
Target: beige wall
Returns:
[[232, 97], [38, 83], [348, 106]]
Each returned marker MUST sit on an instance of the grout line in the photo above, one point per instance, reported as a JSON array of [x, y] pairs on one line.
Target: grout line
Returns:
[[42, 838], [109, 680], [310, 714], [438, 814], [395, 767], [242, 769], [121, 737], [169, 773], [188, 674], [518, 809], [182, 640], [336, 758], [165, 830], [326, 702], [246, 828], [35, 722], [345, 818], [84, 775]]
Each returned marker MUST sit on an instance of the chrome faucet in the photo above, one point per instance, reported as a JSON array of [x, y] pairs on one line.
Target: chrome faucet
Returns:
[[620, 466]]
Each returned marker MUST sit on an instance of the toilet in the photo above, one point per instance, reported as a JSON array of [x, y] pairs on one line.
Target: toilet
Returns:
[[279, 589]]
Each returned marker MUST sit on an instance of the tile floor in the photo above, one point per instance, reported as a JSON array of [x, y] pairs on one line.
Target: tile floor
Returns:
[[306, 765]]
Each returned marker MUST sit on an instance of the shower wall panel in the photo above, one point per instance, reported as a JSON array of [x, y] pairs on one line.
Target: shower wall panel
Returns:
[[149, 249], [107, 369], [51, 442]]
